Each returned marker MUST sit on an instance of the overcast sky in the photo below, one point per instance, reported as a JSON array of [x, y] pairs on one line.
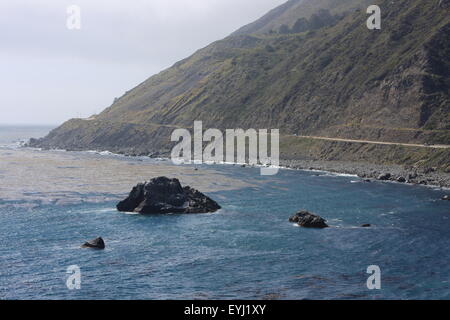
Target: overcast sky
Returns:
[[49, 74]]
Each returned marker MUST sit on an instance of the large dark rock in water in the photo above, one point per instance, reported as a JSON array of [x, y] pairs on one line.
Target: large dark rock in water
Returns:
[[95, 244], [308, 220], [163, 196]]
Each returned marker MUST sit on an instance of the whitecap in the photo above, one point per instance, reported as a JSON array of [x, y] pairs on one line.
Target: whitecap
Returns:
[[131, 213]]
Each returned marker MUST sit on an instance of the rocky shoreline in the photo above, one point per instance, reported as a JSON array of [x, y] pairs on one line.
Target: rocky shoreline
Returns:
[[368, 171]]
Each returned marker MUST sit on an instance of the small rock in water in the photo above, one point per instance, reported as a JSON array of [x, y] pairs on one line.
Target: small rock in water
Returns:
[[401, 180], [384, 176], [306, 219], [95, 244], [366, 225], [446, 198]]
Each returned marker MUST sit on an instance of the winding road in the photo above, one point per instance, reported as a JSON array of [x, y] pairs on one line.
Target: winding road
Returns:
[[434, 146]]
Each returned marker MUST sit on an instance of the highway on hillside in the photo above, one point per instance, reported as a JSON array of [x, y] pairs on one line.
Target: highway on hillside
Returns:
[[435, 146]]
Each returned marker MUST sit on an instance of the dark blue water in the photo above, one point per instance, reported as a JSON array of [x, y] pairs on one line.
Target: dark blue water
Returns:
[[248, 250]]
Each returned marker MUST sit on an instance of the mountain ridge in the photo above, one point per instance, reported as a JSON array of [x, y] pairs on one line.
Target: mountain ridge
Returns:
[[339, 80], [289, 12]]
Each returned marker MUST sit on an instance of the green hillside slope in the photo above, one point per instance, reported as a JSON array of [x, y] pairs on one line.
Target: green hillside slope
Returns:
[[334, 78]]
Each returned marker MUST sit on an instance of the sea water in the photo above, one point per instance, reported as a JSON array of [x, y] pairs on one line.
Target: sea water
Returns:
[[53, 201]]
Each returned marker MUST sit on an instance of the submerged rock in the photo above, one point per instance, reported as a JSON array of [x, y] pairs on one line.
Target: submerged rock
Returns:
[[384, 176], [306, 219], [95, 244], [367, 225], [163, 196]]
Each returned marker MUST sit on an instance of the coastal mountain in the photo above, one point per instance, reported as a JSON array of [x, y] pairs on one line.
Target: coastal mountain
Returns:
[[309, 68], [293, 11]]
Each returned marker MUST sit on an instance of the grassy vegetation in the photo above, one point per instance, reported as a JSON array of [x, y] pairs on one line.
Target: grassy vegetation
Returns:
[[311, 149], [342, 80]]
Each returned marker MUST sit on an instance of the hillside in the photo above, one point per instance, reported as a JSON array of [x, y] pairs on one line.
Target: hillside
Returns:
[[293, 10], [329, 77]]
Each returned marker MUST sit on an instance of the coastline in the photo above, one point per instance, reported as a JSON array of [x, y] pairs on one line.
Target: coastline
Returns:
[[368, 171], [375, 172]]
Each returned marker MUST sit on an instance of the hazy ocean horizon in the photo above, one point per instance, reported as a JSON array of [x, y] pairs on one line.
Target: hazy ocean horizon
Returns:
[[53, 201]]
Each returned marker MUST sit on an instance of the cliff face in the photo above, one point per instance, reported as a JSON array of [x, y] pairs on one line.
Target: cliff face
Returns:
[[334, 78]]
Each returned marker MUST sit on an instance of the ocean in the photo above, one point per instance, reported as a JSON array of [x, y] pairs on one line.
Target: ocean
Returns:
[[51, 202]]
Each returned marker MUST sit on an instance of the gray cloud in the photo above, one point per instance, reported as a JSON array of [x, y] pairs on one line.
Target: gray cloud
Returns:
[[50, 74]]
